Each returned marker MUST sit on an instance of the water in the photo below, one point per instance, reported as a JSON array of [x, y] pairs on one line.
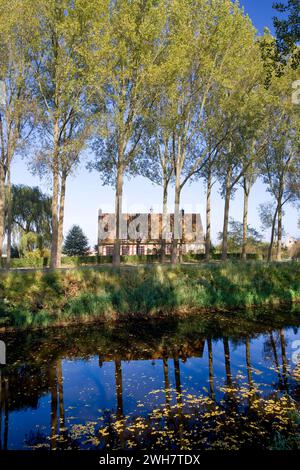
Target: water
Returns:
[[194, 383]]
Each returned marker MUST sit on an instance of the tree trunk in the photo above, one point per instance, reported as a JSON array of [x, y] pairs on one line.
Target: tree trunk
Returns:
[[227, 362], [6, 416], [53, 415], [119, 387], [245, 219], [176, 223], [248, 362], [210, 367], [118, 210], [167, 383], [2, 208], [208, 215], [9, 220], [226, 215], [177, 379], [55, 194], [61, 218], [278, 254], [62, 429], [283, 354], [1, 407], [164, 222], [272, 236]]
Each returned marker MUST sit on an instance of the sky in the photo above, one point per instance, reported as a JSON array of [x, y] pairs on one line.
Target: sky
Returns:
[[86, 194]]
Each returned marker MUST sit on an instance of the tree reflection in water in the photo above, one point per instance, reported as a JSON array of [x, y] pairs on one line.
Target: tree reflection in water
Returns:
[[232, 414]]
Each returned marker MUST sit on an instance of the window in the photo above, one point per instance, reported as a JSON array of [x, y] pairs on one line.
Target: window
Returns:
[[108, 251], [141, 250], [125, 250]]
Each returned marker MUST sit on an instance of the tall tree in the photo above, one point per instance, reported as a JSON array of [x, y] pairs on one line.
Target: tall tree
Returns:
[[137, 46], [155, 161], [280, 164], [16, 101], [247, 182], [64, 28], [237, 158], [209, 173], [256, 147], [214, 44]]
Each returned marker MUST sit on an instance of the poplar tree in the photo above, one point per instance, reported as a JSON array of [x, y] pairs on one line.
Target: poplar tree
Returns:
[[280, 163], [155, 160], [215, 47], [17, 108], [135, 66], [60, 56]]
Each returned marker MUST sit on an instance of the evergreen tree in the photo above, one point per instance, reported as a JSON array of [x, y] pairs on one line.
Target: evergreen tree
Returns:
[[76, 243]]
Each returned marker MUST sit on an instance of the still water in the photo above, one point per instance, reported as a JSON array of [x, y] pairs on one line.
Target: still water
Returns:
[[194, 383]]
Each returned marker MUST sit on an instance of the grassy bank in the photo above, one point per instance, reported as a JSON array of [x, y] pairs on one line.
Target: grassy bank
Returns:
[[46, 298]]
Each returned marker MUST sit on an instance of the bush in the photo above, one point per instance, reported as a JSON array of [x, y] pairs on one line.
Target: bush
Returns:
[[73, 261], [29, 262]]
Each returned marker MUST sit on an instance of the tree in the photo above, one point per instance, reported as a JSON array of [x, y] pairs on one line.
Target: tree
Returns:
[[155, 160], [247, 183], [208, 177], [268, 215], [250, 174], [31, 213], [280, 163], [136, 48], [237, 157], [236, 236], [288, 32], [213, 44], [17, 110], [76, 243], [59, 55]]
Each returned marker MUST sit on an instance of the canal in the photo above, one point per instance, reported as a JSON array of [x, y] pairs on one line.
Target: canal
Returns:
[[206, 382]]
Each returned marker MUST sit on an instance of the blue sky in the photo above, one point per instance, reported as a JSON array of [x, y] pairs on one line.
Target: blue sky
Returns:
[[85, 193], [261, 12]]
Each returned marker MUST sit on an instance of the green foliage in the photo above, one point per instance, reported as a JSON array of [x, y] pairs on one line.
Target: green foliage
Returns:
[[288, 31], [36, 261], [31, 212], [37, 298], [235, 236], [161, 88], [76, 243]]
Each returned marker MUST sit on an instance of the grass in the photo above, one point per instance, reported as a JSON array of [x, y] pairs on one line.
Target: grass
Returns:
[[33, 299]]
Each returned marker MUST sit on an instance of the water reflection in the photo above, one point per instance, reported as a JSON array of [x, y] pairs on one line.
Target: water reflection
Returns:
[[174, 384]]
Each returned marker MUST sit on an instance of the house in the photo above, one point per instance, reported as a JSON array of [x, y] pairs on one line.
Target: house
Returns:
[[289, 242], [143, 234]]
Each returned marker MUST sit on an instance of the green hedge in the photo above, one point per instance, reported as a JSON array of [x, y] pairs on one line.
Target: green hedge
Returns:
[[94, 260], [29, 262], [218, 256]]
